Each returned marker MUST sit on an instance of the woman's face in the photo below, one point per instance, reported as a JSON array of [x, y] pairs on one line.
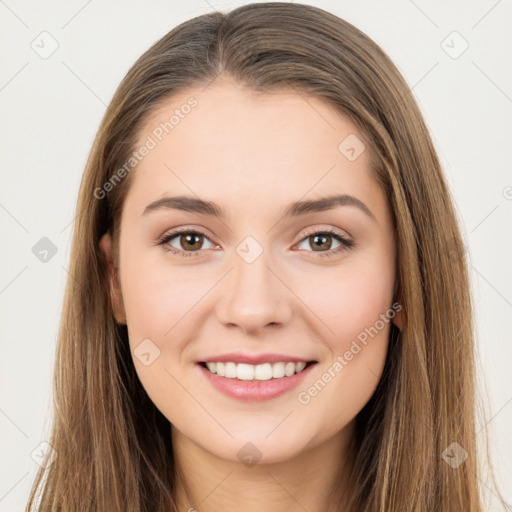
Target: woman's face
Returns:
[[256, 282]]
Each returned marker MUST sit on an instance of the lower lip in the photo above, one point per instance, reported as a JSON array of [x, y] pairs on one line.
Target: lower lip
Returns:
[[255, 390]]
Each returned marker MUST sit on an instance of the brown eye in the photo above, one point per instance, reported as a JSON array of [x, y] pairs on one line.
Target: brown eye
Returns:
[[320, 242], [191, 241], [185, 242]]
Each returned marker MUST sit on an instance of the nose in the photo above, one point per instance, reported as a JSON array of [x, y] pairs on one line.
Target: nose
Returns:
[[254, 297]]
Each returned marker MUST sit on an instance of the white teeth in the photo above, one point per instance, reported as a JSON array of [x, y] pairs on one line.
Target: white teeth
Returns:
[[245, 371], [278, 370], [300, 367], [230, 370], [264, 371], [289, 369]]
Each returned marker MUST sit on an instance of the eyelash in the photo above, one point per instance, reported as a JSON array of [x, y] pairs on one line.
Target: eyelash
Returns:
[[345, 242]]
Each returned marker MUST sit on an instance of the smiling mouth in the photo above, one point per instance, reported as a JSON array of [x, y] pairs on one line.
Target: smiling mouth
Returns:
[[259, 372]]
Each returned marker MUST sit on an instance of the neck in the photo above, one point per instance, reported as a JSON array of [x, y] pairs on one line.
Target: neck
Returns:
[[310, 480]]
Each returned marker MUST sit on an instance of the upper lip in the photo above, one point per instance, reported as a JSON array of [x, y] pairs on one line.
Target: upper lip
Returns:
[[254, 359]]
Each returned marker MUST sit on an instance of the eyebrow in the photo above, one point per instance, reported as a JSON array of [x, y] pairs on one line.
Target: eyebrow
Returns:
[[196, 205]]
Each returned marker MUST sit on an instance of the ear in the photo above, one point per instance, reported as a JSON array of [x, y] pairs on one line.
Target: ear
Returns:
[[116, 297]]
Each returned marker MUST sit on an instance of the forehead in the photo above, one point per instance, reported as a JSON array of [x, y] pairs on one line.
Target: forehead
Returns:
[[227, 141], [242, 120]]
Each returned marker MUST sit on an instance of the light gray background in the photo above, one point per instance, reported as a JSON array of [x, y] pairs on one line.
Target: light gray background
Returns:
[[50, 111]]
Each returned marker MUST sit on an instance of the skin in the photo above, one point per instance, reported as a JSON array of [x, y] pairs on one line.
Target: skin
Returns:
[[253, 154]]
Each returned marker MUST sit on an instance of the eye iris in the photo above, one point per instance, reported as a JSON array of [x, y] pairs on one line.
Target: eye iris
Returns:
[[187, 241], [325, 242]]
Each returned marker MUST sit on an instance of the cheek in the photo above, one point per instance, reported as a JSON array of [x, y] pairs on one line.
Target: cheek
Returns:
[[348, 299], [157, 296], [158, 301], [353, 303], [168, 303], [357, 311]]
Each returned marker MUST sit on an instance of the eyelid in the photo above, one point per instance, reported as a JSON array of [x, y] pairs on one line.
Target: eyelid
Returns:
[[325, 229], [168, 236], [346, 242]]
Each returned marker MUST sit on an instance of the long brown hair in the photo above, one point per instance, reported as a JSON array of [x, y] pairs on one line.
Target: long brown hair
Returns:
[[112, 445]]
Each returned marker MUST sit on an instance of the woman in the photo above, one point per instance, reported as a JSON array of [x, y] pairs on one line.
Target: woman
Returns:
[[216, 350]]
